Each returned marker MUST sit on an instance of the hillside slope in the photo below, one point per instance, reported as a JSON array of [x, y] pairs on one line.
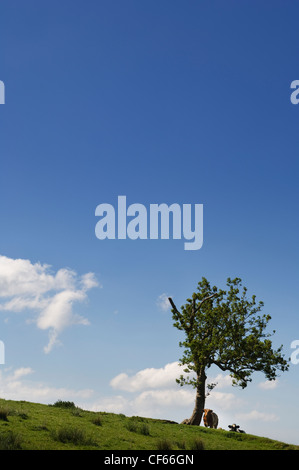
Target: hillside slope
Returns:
[[32, 426]]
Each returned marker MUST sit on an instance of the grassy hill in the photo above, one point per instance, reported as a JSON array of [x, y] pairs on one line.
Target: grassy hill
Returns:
[[32, 426]]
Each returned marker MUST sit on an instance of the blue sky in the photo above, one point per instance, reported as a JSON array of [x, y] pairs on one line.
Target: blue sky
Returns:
[[164, 102]]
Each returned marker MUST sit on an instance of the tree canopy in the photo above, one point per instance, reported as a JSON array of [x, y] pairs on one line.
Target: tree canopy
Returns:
[[225, 328]]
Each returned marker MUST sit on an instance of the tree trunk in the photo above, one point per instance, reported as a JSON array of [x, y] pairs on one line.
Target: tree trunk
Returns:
[[200, 398]]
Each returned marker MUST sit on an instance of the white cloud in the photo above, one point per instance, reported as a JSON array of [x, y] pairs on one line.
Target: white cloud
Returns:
[[255, 415], [156, 398], [268, 384], [21, 372], [26, 286], [14, 387], [163, 302], [115, 404], [155, 401], [223, 401], [221, 380], [156, 393], [160, 378], [89, 281], [149, 378], [150, 403]]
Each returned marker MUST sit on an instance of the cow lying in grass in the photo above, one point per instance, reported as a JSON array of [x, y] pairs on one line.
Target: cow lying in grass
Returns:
[[235, 428]]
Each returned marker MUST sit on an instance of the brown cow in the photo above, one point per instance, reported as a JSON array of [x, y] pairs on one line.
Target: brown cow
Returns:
[[210, 419]]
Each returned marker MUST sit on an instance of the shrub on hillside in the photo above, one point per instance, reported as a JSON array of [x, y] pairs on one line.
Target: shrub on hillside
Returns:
[[136, 425], [164, 444], [196, 444], [4, 412], [64, 404], [72, 435], [97, 421], [10, 441]]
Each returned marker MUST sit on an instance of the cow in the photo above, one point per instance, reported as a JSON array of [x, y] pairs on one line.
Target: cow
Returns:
[[235, 428], [210, 419]]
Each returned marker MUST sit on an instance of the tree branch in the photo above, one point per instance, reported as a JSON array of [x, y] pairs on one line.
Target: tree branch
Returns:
[[180, 316], [172, 304], [194, 309], [206, 298]]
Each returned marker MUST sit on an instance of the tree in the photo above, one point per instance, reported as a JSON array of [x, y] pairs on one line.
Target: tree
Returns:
[[224, 328]]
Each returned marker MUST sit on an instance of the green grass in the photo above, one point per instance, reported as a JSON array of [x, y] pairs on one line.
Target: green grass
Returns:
[[32, 426]]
